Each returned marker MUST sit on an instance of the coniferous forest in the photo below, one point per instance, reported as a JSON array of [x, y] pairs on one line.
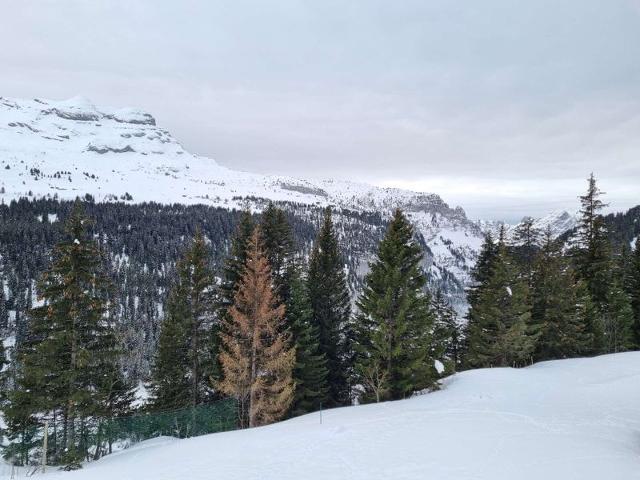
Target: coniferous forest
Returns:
[[270, 315]]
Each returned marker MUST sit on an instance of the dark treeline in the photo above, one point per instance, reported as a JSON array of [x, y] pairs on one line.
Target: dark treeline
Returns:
[[142, 245], [260, 309]]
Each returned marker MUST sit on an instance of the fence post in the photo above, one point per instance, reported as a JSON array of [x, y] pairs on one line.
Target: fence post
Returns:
[[44, 445]]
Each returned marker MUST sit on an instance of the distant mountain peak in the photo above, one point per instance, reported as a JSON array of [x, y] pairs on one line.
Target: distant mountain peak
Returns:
[[557, 221]]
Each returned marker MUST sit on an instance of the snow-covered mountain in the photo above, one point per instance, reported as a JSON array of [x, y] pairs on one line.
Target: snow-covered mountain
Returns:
[[72, 148], [567, 419], [557, 222]]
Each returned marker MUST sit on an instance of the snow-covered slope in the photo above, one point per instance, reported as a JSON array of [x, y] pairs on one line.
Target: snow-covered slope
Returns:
[[72, 148], [567, 420]]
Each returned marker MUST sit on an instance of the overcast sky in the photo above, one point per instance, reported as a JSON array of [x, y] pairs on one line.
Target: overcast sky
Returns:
[[501, 106]]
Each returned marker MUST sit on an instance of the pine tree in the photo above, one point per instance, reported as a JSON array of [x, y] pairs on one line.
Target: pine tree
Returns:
[[500, 332], [563, 325], [256, 358], [310, 371], [70, 345], [331, 309], [634, 292], [183, 365], [394, 341]]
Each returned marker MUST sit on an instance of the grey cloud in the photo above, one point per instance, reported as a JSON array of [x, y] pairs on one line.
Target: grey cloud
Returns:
[[502, 106]]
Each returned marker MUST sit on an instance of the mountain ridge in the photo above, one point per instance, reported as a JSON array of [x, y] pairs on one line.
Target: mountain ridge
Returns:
[[71, 148]]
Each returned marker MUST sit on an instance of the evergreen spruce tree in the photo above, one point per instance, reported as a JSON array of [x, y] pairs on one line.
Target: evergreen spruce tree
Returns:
[[593, 256], [235, 262], [480, 275], [483, 269], [70, 345], [4, 313], [617, 313], [634, 292], [3, 363], [589, 315], [310, 371], [257, 361], [394, 332], [500, 332], [169, 381], [184, 363], [116, 398], [563, 325], [447, 330], [330, 307], [22, 425], [526, 239], [277, 239]]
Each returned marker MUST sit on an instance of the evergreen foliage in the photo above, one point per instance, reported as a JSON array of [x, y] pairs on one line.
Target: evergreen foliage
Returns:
[[617, 313], [4, 313], [526, 239], [235, 262], [480, 275], [3, 379], [633, 288], [483, 269], [310, 371], [499, 331], [278, 242], [589, 315], [184, 362], [556, 307], [70, 356], [330, 306], [447, 331], [593, 256], [394, 327]]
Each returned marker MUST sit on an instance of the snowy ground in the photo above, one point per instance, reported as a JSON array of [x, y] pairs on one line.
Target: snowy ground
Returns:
[[572, 419]]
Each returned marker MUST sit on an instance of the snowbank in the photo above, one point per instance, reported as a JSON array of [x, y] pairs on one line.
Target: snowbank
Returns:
[[571, 419]]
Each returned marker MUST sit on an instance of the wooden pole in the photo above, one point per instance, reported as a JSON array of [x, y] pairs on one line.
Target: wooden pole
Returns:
[[44, 445]]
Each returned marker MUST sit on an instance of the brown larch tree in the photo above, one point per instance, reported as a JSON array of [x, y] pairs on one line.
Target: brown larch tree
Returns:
[[256, 357]]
